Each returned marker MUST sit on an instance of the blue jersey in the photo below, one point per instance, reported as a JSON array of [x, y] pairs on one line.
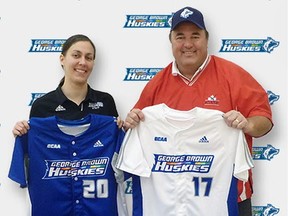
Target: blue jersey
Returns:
[[70, 169]]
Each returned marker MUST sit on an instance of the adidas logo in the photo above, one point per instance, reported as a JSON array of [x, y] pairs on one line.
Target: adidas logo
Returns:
[[98, 144], [204, 140], [60, 108]]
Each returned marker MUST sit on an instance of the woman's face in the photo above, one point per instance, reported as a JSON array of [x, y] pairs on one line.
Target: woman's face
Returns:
[[78, 62]]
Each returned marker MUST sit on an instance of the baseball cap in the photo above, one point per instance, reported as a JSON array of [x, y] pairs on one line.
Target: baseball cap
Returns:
[[188, 14]]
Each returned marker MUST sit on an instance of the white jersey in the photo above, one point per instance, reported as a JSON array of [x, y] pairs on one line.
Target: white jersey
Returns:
[[185, 161]]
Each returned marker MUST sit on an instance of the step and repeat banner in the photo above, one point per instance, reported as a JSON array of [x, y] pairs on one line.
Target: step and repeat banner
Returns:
[[132, 44]]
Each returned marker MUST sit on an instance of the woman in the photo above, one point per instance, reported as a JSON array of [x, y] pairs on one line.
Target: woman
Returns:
[[73, 98], [82, 182]]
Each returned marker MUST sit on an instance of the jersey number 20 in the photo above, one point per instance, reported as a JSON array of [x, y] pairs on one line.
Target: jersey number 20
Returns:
[[95, 189]]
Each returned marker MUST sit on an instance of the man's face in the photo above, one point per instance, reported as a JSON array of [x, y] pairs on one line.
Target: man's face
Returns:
[[189, 46]]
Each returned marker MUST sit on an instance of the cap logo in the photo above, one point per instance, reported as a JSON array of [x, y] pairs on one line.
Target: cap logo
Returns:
[[186, 13]]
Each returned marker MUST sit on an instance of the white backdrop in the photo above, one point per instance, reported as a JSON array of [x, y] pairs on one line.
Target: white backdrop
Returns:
[[23, 73]]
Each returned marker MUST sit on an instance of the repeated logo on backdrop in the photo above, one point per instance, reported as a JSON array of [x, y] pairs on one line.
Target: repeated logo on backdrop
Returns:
[[147, 21], [34, 96], [272, 97], [47, 45], [249, 45], [268, 210], [264, 152], [140, 74]]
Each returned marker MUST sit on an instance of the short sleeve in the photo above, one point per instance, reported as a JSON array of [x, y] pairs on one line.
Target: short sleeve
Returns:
[[131, 157], [17, 169], [243, 159]]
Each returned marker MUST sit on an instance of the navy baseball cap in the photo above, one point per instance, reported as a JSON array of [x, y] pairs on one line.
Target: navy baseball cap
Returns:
[[188, 14]]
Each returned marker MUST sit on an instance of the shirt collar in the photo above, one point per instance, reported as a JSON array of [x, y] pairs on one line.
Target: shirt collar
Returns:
[[62, 98], [175, 70]]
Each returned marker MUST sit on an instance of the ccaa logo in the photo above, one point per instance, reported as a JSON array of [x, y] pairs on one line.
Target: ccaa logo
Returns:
[[161, 139], [54, 146]]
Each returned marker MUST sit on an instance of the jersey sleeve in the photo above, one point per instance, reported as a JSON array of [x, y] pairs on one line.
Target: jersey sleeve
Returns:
[[120, 177], [131, 157], [17, 171], [119, 174], [243, 159]]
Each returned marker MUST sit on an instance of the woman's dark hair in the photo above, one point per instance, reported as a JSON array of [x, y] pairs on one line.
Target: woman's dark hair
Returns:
[[72, 40]]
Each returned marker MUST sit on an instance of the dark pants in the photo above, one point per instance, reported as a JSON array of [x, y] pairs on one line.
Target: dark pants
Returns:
[[245, 208]]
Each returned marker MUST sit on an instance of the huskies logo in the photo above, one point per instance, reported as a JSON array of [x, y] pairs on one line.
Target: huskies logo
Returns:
[[147, 21], [264, 153], [272, 97], [249, 45], [140, 74], [182, 163], [270, 44], [47, 45], [34, 97], [80, 168], [268, 210], [186, 13]]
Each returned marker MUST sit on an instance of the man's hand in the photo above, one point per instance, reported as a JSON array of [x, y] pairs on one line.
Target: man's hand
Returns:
[[133, 118]]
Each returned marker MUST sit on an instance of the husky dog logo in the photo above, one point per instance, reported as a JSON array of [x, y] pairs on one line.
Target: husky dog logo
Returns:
[[270, 44], [186, 13], [170, 20], [270, 152], [272, 97], [270, 210]]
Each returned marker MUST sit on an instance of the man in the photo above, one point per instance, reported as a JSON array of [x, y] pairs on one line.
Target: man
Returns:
[[197, 79]]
